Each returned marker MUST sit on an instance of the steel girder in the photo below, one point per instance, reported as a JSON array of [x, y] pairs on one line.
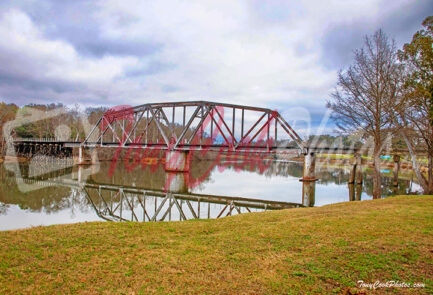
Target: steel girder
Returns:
[[193, 125]]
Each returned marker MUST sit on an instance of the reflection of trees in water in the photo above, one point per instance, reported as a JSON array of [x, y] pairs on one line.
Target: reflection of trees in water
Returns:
[[42, 170], [48, 199], [388, 189], [287, 169], [151, 177], [148, 176], [341, 176], [78, 201], [267, 167], [3, 208], [55, 198], [335, 175], [7, 184]]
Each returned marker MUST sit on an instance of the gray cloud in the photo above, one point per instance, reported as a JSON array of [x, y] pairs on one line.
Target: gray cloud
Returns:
[[74, 23], [276, 54], [88, 42], [402, 23], [399, 23]]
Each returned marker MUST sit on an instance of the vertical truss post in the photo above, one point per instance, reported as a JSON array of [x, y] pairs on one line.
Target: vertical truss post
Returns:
[[233, 125], [198, 208], [242, 123], [184, 116]]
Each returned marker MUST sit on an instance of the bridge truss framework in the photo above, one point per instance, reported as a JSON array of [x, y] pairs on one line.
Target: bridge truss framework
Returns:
[[193, 125]]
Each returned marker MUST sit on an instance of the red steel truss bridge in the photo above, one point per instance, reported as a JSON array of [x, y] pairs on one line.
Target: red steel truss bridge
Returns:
[[193, 125]]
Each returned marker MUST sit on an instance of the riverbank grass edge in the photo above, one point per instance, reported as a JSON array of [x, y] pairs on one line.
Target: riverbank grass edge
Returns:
[[346, 248]]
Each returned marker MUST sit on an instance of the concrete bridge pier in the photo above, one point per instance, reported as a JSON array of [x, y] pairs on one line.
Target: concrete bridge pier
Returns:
[[308, 193], [176, 182], [309, 173], [83, 159], [177, 161], [177, 165]]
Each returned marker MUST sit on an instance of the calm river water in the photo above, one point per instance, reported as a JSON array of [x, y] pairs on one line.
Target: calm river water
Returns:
[[43, 193]]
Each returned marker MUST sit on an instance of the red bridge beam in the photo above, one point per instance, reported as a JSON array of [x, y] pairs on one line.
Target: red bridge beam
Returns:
[[192, 125]]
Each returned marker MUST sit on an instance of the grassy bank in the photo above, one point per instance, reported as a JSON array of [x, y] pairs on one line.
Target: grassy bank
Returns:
[[321, 250]]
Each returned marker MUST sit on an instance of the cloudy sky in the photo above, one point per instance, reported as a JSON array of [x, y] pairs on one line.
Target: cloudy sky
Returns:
[[274, 54]]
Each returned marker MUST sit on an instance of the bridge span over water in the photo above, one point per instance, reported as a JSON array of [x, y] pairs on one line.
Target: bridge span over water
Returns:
[[181, 127], [194, 125]]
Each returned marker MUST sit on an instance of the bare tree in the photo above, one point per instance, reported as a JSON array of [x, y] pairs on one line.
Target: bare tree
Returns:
[[367, 93], [417, 116]]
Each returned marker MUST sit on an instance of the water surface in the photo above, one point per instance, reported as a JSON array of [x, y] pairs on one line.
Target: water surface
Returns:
[[39, 193]]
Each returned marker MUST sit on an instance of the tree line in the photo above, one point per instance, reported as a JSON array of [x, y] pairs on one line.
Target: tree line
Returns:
[[389, 92], [46, 127]]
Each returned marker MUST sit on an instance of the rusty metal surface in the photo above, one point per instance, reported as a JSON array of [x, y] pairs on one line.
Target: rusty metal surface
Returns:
[[194, 125]]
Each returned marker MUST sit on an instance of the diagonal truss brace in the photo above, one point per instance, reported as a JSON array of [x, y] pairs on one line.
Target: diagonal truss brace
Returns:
[[199, 124]]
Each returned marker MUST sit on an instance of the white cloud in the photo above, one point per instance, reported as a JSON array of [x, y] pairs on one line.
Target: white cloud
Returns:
[[218, 53], [30, 55], [262, 53]]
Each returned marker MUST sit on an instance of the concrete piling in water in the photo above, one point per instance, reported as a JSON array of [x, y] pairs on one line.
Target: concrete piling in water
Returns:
[[351, 192], [355, 178], [308, 193], [309, 173], [356, 171], [396, 170], [355, 191], [94, 156], [80, 155], [177, 165], [358, 192], [79, 175], [176, 182], [177, 161]]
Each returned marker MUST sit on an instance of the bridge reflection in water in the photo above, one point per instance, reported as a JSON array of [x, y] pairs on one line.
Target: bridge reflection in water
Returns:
[[140, 202], [148, 192], [136, 204]]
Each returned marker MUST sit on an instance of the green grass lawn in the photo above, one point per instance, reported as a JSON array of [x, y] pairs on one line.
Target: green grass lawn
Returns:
[[323, 250]]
